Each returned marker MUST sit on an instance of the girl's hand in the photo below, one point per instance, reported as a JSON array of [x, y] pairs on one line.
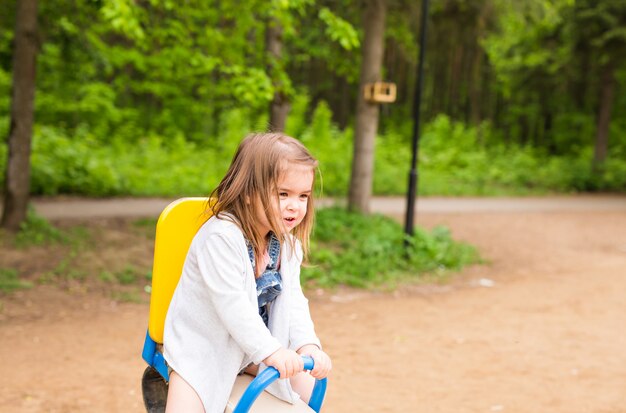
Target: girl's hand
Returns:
[[323, 365], [287, 362]]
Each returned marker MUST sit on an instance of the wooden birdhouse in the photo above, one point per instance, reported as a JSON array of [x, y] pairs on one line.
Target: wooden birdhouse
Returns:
[[380, 92]]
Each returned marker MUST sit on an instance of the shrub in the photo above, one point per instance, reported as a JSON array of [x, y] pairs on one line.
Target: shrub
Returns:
[[361, 251], [454, 159], [333, 149]]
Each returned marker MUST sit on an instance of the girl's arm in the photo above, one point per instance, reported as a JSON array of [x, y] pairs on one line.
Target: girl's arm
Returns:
[[223, 271], [301, 329]]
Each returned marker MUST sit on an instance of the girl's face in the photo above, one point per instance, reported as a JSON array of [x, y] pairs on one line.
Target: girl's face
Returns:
[[295, 186]]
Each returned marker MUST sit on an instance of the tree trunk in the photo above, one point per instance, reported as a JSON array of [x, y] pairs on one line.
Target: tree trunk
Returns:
[[367, 113], [524, 128], [279, 106], [17, 176], [454, 86], [604, 114], [475, 80]]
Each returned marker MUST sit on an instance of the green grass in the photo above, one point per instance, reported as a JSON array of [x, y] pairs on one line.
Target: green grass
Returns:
[[10, 281], [147, 226], [106, 277], [347, 249], [127, 276], [368, 251], [128, 296], [36, 230]]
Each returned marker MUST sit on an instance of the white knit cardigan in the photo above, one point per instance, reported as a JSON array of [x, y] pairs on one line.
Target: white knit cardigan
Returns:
[[213, 328]]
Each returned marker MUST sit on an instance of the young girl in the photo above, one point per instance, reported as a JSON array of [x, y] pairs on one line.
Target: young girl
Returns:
[[238, 305]]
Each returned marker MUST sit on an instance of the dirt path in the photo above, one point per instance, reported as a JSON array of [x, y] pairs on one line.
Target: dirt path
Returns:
[[542, 328], [63, 208]]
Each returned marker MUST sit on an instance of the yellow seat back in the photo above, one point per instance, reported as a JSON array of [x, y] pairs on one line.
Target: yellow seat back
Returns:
[[176, 227]]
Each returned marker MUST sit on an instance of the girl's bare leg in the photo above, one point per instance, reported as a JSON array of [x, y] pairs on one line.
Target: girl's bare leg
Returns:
[[252, 369], [303, 383], [181, 397]]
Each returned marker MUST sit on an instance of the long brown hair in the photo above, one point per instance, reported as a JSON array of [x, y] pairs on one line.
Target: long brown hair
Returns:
[[251, 184]]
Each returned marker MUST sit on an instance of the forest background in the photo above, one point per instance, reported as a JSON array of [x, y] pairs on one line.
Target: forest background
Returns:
[[151, 97]]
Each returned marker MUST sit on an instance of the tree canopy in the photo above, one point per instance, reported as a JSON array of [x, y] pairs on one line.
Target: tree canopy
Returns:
[[544, 74]]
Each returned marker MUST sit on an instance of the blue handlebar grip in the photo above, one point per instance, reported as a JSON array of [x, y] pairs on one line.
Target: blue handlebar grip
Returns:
[[268, 376]]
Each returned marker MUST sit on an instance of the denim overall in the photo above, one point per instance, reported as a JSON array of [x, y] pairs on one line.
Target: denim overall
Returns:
[[269, 284]]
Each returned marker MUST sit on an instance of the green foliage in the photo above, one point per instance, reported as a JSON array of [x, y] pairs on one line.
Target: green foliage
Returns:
[[66, 268], [364, 251], [513, 49], [129, 69], [151, 98], [36, 230], [392, 163], [147, 226], [127, 297], [127, 276], [106, 276], [332, 147], [329, 46], [10, 281], [133, 74], [459, 160], [154, 166], [601, 25], [122, 16], [339, 30], [454, 159]]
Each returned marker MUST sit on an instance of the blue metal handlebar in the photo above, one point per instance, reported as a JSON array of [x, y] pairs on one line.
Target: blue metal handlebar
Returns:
[[268, 376]]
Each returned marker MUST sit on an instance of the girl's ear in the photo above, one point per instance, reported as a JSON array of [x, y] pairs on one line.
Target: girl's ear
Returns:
[[247, 200]]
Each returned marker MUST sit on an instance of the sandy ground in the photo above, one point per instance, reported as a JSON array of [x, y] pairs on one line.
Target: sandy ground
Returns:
[[540, 328]]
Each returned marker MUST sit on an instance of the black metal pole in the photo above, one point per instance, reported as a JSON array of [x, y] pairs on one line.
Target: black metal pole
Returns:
[[413, 174]]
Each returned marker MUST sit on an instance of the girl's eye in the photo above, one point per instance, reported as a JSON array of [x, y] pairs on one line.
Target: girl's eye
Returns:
[[282, 194], [304, 196]]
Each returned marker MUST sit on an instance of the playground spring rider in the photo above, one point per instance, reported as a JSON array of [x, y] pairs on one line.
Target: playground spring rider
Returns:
[[176, 227]]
